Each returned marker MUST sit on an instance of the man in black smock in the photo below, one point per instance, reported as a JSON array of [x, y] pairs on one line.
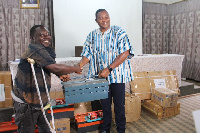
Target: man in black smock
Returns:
[[26, 100]]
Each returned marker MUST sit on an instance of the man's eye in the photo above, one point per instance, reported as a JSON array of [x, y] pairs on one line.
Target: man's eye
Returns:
[[42, 35]]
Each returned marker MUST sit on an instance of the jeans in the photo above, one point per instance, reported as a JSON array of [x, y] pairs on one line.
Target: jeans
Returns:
[[117, 92], [26, 117]]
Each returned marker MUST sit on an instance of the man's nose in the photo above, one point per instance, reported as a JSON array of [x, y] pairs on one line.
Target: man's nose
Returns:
[[47, 36], [103, 20]]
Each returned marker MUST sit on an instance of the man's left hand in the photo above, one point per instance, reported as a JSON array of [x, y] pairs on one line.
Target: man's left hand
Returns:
[[104, 73]]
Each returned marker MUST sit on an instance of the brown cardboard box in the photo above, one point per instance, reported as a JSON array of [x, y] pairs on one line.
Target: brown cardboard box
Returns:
[[5, 78], [140, 86], [132, 108], [167, 79], [2, 104], [56, 94], [164, 97], [7, 103], [62, 125], [160, 112], [144, 82], [157, 79], [8, 91], [172, 81]]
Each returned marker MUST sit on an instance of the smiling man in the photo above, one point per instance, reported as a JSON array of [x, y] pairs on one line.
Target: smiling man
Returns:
[[108, 50], [26, 101]]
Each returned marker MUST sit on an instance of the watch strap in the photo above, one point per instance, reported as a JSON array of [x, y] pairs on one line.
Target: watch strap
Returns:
[[109, 68]]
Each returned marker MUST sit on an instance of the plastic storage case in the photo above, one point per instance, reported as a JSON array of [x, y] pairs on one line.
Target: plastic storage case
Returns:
[[89, 89]]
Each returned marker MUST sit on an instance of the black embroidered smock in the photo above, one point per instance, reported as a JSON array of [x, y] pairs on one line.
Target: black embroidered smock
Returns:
[[25, 87]]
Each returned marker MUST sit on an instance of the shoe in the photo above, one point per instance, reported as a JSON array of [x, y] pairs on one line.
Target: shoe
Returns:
[[102, 131]]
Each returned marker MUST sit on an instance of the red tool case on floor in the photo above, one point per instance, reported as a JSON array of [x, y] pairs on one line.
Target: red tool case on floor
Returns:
[[84, 126], [61, 111], [10, 127]]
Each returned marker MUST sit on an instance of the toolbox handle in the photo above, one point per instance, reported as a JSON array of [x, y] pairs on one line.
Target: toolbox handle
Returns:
[[86, 77]]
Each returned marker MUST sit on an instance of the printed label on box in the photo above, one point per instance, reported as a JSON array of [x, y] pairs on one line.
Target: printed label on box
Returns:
[[159, 83], [2, 93]]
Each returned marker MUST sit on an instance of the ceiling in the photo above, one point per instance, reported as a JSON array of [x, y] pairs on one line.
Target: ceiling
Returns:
[[163, 1]]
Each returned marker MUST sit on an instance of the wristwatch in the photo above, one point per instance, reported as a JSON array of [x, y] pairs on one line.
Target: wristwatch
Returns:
[[109, 68]]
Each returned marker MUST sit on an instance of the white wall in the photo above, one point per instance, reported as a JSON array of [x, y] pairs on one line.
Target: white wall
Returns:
[[74, 19]]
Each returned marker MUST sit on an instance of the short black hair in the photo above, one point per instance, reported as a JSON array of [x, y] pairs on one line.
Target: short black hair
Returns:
[[33, 29], [99, 10]]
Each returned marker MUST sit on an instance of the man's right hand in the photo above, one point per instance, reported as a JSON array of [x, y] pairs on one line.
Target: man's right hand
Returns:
[[79, 69], [82, 62], [65, 78]]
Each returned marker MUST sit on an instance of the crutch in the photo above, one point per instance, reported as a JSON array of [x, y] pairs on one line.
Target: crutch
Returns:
[[32, 62]]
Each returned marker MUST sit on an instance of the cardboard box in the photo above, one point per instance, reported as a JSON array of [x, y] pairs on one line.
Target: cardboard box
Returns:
[[7, 103], [160, 112], [62, 125], [164, 79], [8, 91], [140, 86], [157, 79], [56, 94], [164, 97], [132, 108], [2, 104], [6, 87], [5, 78], [144, 82], [172, 81]]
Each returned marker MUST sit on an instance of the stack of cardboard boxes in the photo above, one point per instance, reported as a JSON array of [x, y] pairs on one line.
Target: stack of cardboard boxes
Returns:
[[158, 91]]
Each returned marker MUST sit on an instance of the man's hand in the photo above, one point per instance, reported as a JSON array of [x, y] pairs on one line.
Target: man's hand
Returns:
[[65, 78], [82, 62], [78, 66], [104, 73]]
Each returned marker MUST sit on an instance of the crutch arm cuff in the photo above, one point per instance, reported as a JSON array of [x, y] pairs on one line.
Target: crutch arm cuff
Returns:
[[31, 60]]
